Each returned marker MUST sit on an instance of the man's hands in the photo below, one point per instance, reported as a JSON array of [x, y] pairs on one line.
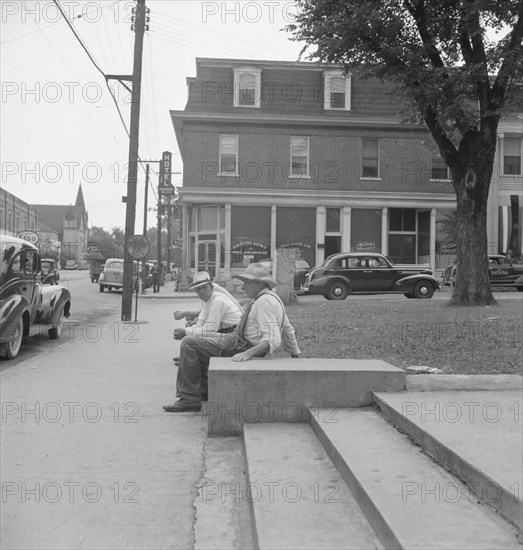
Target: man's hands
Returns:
[[243, 356], [178, 333]]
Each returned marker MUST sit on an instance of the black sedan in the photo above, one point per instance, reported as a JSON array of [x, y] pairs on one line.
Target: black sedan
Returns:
[[349, 273], [502, 272]]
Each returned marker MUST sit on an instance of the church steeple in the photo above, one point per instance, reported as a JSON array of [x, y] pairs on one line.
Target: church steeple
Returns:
[[80, 198]]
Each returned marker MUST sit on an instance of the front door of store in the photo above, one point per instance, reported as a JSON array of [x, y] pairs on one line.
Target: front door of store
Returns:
[[207, 257]]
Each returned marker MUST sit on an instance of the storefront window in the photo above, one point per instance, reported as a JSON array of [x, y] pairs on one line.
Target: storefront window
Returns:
[[365, 230], [250, 234], [402, 219], [296, 228]]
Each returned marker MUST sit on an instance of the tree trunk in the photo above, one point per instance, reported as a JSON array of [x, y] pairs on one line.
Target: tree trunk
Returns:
[[472, 286]]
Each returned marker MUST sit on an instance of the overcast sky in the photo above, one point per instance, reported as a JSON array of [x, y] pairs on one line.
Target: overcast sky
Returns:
[[59, 125]]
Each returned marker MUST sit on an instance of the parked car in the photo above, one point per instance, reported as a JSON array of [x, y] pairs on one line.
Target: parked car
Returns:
[[50, 271], [23, 299], [353, 272], [502, 272], [112, 275], [70, 264], [301, 268]]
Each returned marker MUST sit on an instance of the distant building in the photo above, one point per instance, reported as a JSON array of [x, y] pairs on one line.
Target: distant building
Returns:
[[57, 226], [69, 223], [15, 214]]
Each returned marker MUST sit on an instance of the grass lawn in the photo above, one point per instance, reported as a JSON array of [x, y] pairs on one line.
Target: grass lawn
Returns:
[[457, 340]]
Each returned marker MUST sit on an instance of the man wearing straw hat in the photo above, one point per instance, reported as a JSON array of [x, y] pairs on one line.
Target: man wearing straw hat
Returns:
[[263, 327]]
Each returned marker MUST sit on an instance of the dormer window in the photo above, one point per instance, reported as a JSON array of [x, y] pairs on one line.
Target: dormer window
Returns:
[[336, 91], [247, 87]]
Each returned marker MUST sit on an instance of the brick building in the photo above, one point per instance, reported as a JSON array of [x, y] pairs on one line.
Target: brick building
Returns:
[[15, 214], [291, 154]]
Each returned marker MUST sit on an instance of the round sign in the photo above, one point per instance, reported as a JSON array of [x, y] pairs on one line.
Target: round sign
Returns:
[[138, 247], [29, 236]]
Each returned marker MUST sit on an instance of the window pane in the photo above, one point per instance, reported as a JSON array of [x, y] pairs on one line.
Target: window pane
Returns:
[[247, 89], [228, 160], [512, 156], [299, 160], [439, 170], [409, 219], [208, 218], [337, 93], [333, 219], [369, 159]]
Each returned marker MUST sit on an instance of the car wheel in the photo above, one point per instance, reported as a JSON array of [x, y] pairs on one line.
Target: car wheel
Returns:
[[102, 288], [423, 290], [55, 332], [337, 291], [109, 289], [408, 295], [13, 346]]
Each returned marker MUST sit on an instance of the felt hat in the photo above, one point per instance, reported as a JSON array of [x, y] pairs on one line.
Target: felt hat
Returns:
[[199, 279], [257, 272]]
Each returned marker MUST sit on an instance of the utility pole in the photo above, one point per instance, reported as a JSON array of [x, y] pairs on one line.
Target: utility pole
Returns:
[[146, 200], [130, 199]]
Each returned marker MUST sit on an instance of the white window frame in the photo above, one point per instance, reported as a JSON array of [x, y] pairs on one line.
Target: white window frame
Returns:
[[307, 174], [236, 137], [378, 176], [328, 76], [256, 73], [512, 136]]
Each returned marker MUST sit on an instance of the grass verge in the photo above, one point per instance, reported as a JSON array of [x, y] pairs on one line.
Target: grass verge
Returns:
[[457, 340]]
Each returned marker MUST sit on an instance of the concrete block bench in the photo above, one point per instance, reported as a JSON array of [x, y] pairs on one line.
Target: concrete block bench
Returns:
[[283, 390]]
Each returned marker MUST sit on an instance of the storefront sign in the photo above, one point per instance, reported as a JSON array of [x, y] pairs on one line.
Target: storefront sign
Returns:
[[449, 247], [365, 245]]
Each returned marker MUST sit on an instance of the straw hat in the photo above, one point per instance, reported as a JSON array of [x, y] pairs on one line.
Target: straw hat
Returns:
[[257, 272], [199, 279]]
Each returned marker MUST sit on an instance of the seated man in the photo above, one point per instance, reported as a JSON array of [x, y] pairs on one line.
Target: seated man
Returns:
[[220, 314], [262, 329], [193, 317]]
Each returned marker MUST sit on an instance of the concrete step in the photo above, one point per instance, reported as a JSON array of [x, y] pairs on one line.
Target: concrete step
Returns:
[[298, 499], [411, 501], [283, 389], [454, 427]]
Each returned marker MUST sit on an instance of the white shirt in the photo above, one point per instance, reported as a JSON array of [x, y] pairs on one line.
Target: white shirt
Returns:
[[265, 321], [218, 312]]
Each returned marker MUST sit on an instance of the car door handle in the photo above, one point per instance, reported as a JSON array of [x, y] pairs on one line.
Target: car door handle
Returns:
[[367, 271]]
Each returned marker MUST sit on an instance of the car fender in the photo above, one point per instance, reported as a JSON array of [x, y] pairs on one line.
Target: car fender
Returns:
[[519, 281], [11, 309], [323, 283], [406, 284], [55, 299]]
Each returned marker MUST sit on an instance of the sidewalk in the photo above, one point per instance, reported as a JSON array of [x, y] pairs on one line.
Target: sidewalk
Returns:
[[89, 458]]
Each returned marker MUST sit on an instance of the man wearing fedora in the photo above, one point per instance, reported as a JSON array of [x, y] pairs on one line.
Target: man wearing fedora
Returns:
[[263, 327]]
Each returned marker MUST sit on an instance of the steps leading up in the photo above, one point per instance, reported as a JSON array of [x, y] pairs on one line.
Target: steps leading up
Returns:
[[454, 427], [410, 501], [298, 499]]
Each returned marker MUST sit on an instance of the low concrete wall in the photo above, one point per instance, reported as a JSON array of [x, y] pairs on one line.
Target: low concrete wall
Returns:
[[283, 390]]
